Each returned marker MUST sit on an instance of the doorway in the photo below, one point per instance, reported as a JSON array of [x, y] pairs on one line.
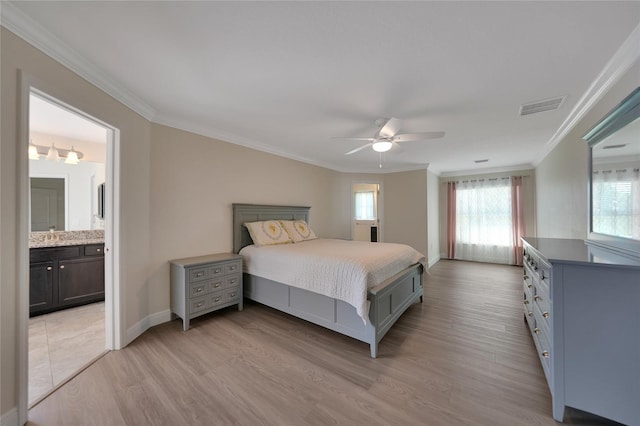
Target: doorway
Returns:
[[86, 329], [366, 207]]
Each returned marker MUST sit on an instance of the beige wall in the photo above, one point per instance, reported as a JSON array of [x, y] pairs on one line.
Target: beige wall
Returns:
[[562, 176]]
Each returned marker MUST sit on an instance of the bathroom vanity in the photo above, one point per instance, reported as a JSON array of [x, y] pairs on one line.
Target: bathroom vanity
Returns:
[[65, 273]]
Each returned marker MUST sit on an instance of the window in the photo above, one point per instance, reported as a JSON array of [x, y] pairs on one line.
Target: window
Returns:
[[616, 202], [365, 205]]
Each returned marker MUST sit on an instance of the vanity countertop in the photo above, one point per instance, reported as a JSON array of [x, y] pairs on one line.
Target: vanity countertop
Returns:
[[66, 238]]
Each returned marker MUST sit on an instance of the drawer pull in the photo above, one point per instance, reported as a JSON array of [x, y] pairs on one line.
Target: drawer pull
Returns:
[[199, 274], [98, 250], [199, 289], [49, 268], [233, 281], [199, 305], [530, 314], [61, 266], [536, 330], [526, 277], [232, 295], [545, 314], [233, 268], [216, 271], [526, 302], [217, 299], [529, 285], [537, 298], [545, 354], [216, 285]]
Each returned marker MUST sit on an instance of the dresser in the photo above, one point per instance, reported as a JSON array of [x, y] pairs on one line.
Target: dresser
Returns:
[[204, 284], [582, 306]]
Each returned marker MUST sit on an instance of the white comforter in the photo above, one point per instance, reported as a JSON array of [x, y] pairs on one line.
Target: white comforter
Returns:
[[339, 269]]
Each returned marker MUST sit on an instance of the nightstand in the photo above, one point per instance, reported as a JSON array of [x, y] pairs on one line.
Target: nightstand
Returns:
[[204, 284]]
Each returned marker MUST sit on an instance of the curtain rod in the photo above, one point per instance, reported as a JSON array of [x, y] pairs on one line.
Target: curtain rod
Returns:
[[458, 180]]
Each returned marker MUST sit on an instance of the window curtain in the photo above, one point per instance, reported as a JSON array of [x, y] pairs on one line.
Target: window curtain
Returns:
[[616, 202], [365, 205], [485, 220], [451, 220], [517, 218]]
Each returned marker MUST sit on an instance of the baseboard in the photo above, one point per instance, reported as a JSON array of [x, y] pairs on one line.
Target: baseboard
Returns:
[[146, 323], [433, 261], [10, 418]]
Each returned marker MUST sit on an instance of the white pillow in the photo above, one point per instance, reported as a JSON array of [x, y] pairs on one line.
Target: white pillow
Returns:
[[298, 230], [267, 232]]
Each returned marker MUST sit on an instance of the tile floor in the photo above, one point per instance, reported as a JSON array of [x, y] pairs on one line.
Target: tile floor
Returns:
[[61, 343]]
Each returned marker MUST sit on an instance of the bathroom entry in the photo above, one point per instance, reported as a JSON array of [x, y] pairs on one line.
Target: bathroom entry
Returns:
[[366, 223]]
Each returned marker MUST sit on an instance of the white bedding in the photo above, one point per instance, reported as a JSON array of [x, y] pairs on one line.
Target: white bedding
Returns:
[[339, 269]]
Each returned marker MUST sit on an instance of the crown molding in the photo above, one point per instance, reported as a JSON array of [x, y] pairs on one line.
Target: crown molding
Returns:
[[626, 55], [33, 33], [508, 169]]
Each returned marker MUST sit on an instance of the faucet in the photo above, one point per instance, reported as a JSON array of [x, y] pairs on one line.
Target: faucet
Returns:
[[51, 236]]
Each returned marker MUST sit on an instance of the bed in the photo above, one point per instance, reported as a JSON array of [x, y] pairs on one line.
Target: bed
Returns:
[[387, 300]]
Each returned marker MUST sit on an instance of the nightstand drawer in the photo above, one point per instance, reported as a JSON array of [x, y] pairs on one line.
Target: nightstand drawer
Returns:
[[232, 280], [198, 274], [233, 267], [197, 305], [198, 289]]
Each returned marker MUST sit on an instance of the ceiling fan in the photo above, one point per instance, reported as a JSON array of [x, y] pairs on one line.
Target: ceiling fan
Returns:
[[387, 136]]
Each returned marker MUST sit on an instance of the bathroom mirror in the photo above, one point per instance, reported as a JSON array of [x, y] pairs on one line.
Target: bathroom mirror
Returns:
[[614, 181]]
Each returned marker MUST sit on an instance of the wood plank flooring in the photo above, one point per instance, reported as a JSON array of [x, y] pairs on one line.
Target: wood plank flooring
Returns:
[[463, 357]]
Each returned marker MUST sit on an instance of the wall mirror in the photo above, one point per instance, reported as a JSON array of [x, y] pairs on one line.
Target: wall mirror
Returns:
[[614, 216]]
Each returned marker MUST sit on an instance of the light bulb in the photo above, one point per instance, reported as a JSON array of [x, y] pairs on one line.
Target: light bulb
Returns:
[[53, 155], [72, 157], [382, 146], [33, 152]]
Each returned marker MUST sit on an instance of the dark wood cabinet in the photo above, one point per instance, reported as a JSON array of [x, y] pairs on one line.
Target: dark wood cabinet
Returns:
[[63, 277]]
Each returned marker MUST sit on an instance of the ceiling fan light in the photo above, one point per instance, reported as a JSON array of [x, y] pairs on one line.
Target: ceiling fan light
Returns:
[[53, 155], [72, 157], [382, 146]]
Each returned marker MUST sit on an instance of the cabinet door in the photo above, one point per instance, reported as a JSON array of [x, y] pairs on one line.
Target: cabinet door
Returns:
[[80, 281], [40, 287]]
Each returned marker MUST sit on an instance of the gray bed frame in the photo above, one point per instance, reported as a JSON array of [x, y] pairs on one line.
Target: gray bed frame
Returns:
[[389, 300]]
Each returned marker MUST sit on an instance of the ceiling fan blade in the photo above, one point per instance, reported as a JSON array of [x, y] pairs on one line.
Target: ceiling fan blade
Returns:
[[390, 128], [409, 137], [353, 139], [353, 151]]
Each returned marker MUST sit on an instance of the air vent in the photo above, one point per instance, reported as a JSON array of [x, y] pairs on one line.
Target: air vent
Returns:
[[541, 106], [622, 145], [481, 161]]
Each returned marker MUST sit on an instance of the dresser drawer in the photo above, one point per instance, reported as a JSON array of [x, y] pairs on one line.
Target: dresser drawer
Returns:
[[232, 280], [198, 274], [216, 285], [232, 267], [217, 299], [199, 304], [198, 289], [94, 250], [232, 294]]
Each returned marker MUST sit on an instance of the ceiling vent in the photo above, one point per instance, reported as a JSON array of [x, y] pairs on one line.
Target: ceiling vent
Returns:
[[541, 106]]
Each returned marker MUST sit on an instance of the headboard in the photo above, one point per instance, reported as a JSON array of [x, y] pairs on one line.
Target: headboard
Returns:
[[255, 212]]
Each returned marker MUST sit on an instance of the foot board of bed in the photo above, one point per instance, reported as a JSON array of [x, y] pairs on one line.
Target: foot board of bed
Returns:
[[388, 301]]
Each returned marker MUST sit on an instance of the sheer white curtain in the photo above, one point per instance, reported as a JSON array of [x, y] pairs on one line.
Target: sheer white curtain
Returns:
[[616, 202], [365, 205], [484, 221]]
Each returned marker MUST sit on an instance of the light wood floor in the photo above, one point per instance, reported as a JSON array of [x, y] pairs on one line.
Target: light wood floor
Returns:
[[464, 356]]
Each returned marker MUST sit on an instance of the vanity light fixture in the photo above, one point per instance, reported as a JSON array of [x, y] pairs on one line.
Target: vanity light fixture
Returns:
[[33, 152], [72, 157], [382, 146], [53, 155]]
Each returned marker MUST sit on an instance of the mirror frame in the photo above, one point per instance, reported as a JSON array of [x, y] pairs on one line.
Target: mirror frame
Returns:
[[622, 114]]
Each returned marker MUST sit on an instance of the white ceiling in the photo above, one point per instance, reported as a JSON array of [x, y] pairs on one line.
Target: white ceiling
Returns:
[[286, 77]]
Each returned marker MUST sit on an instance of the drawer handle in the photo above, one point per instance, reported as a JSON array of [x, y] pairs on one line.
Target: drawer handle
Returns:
[[217, 299], [49, 268], [529, 285], [98, 250], [536, 330], [199, 304], [545, 314], [233, 281], [216, 285], [199, 274], [530, 314], [232, 295], [546, 354], [526, 302], [526, 277], [199, 289], [233, 268], [537, 298], [217, 271], [61, 266]]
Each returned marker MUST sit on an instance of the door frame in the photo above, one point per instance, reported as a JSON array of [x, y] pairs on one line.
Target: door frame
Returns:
[[113, 306], [380, 206]]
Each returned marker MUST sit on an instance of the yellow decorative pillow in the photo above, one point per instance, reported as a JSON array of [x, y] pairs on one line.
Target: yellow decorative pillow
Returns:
[[298, 230], [267, 232]]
